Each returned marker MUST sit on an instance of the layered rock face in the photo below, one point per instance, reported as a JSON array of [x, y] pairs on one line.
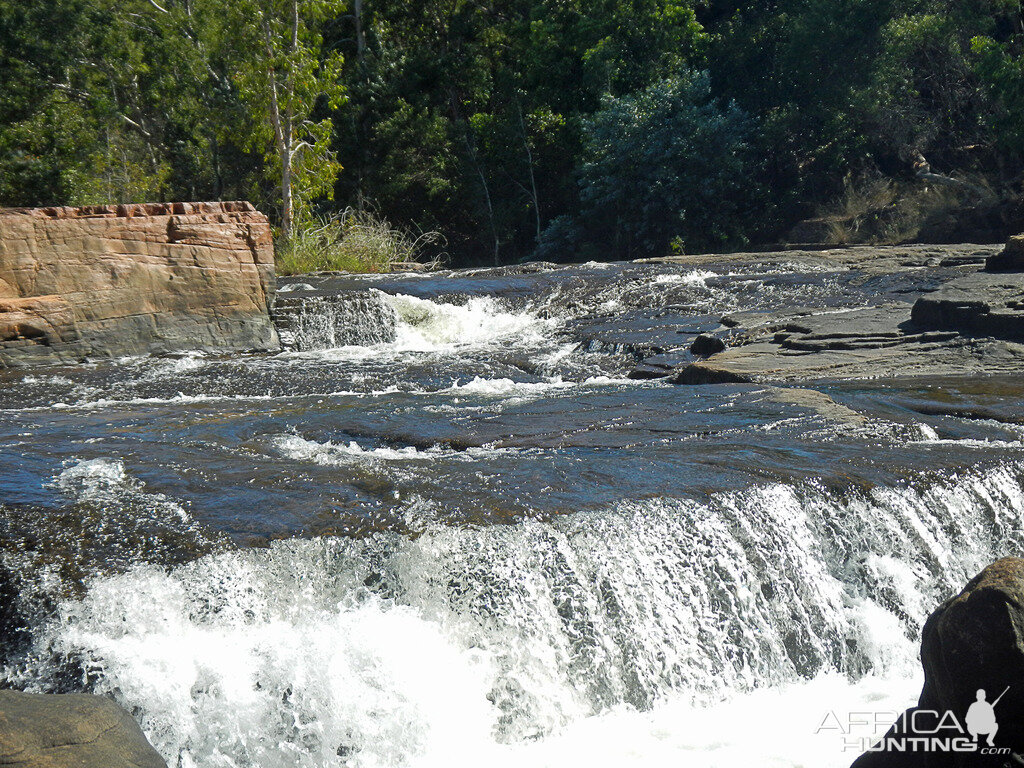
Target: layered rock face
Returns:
[[988, 303], [959, 312], [121, 280]]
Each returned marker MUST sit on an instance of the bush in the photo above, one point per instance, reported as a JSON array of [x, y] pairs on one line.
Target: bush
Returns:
[[355, 241], [665, 168], [878, 211]]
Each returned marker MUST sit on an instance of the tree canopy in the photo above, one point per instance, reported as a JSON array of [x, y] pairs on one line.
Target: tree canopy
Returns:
[[564, 128]]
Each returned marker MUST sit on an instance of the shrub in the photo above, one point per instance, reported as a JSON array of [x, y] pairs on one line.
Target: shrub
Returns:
[[663, 168], [356, 241]]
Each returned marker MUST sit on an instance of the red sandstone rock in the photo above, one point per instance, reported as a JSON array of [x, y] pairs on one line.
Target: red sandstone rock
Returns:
[[134, 279]]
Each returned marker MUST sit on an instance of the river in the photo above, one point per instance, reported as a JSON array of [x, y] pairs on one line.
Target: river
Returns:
[[446, 528]]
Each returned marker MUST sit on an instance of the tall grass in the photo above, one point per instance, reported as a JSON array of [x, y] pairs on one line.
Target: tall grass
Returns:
[[356, 241], [877, 210]]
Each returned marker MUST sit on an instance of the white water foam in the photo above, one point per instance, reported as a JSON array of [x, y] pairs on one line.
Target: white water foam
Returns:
[[519, 390], [340, 454], [425, 325], [697, 277], [105, 481], [707, 633]]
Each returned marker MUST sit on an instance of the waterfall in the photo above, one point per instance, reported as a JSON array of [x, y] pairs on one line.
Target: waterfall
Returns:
[[502, 642], [354, 318]]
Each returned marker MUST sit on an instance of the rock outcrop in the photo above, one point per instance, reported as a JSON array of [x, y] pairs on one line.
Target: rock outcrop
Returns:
[[948, 318], [988, 303], [105, 281], [982, 304], [973, 642], [869, 342], [1010, 259], [70, 731]]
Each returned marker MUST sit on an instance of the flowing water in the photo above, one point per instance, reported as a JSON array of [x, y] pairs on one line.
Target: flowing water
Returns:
[[445, 528]]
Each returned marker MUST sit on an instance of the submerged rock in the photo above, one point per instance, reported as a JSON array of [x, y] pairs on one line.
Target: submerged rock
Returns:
[[972, 650], [72, 730]]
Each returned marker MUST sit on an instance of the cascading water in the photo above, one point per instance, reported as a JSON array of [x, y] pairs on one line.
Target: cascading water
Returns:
[[322, 322], [469, 539], [394, 650]]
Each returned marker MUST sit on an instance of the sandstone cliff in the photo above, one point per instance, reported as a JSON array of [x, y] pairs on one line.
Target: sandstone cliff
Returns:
[[133, 279]]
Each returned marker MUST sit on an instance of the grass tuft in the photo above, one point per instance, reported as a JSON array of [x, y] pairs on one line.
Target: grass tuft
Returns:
[[356, 241], [875, 210]]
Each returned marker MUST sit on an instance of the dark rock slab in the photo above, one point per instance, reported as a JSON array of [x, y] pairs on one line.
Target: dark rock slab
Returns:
[[70, 731], [980, 304], [660, 366], [972, 642]]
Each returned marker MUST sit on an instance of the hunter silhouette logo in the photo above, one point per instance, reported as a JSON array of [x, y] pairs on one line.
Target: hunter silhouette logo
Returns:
[[921, 730], [981, 717]]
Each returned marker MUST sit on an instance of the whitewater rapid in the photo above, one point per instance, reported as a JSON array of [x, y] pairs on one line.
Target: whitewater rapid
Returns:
[[660, 630], [445, 528]]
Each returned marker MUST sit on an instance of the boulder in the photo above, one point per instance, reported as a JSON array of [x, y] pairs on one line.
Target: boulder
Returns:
[[72, 730], [1010, 259], [706, 345], [972, 642], [108, 281]]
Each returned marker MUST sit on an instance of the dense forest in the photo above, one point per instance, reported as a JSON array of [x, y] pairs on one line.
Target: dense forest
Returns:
[[561, 129]]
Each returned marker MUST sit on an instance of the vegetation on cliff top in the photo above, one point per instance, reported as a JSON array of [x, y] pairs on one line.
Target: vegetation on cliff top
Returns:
[[566, 128]]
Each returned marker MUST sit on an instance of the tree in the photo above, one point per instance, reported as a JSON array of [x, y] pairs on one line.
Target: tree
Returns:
[[662, 168], [283, 72]]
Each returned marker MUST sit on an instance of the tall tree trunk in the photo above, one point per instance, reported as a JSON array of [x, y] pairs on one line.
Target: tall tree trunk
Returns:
[[288, 202], [529, 165], [357, 11], [360, 116], [279, 136], [487, 197], [471, 149]]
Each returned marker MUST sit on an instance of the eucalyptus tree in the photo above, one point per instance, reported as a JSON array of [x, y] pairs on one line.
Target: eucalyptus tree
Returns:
[[284, 71]]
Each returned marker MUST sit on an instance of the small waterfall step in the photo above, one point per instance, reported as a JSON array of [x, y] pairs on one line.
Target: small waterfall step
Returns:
[[309, 321]]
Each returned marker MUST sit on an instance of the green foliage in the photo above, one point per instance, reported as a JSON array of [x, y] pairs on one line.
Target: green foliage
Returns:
[[1001, 70], [354, 241], [504, 123], [922, 91], [283, 73], [665, 167]]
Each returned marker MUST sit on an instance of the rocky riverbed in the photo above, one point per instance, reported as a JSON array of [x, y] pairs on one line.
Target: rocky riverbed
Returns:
[[951, 317], [469, 517]]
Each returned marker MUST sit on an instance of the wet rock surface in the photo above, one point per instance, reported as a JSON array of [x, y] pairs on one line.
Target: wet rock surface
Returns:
[[972, 649], [948, 317], [350, 318], [70, 731]]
